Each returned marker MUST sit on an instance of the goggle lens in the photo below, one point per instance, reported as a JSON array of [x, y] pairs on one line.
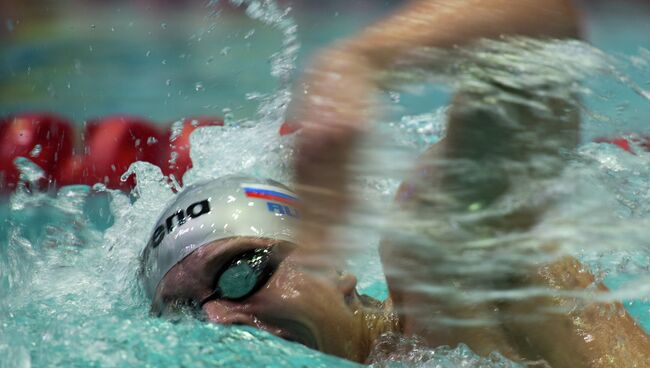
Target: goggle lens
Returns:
[[244, 276]]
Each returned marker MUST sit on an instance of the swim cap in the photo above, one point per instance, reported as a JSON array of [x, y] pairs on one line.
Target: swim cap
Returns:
[[227, 207]]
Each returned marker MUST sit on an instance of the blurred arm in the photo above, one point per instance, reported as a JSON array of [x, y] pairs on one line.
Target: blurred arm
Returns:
[[574, 332], [449, 23], [336, 100]]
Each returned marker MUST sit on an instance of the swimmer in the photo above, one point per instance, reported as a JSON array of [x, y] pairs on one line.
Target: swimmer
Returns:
[[240, 250]]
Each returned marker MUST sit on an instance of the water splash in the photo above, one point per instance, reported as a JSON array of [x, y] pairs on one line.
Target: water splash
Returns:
[[397, 351]]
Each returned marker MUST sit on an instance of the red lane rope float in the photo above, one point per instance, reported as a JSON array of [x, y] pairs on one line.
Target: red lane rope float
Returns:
[[44, 138], [112, 144], [289, 128], [626, 143]]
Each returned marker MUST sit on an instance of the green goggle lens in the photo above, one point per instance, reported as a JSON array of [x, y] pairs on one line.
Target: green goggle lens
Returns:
[[245, 275], [238, 281]]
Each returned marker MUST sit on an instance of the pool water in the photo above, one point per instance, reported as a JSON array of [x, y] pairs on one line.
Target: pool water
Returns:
[[68, 291]]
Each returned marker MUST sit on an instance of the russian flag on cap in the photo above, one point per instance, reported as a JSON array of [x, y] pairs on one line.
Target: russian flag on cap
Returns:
[[270, 193]]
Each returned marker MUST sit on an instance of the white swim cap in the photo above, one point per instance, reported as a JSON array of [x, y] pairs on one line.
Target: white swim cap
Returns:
[[226, 207]]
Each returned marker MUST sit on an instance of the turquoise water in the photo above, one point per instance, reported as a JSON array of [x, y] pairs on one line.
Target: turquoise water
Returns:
[[68, 295]]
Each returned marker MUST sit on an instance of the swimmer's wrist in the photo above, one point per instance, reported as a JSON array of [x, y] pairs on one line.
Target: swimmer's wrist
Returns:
[[346, 57]]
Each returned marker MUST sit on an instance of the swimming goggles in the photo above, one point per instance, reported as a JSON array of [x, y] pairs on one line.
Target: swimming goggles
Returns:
[[244, 275]]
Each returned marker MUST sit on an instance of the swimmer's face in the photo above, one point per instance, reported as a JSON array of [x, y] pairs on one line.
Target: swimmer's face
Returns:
[[319, 310]]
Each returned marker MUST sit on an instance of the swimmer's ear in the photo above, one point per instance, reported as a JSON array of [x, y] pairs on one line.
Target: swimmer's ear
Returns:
[[346, 283]]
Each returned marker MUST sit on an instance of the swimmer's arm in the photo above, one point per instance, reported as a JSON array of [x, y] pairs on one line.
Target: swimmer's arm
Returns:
[[335, 102], [574, 332], [450, 23], [596, 335]]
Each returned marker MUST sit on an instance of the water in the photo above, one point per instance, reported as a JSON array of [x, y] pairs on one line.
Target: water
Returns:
[[68, 293]]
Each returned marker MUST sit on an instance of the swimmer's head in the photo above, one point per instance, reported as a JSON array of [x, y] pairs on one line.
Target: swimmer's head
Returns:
[[232, 206], [226, 249]]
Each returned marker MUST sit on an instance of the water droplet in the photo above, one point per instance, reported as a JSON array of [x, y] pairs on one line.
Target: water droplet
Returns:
[[645, 94], [36, 150], [29, 171], [51, 91], [394, 97], [228, 115], [99, 187], [173, 157], [249, 34], [168, 82], [198, 87], [112, 29], [225, 51], [151, 140], [164, 62], [163, 25], [176, 130], [252, 96], [92, 27], [148, 53]]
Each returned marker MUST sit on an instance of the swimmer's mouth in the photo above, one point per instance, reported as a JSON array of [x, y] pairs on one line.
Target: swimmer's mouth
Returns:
[[309, 342], [297, 332]]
